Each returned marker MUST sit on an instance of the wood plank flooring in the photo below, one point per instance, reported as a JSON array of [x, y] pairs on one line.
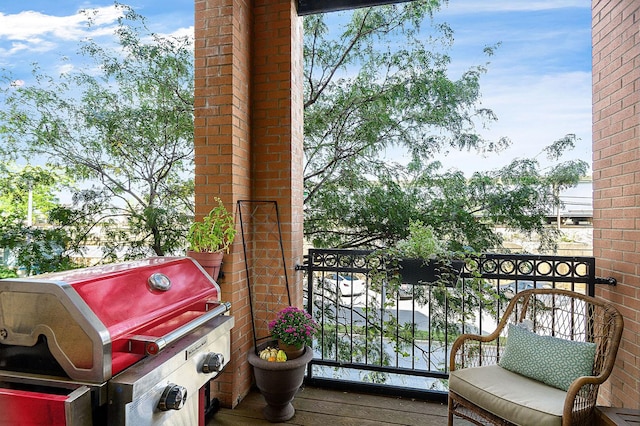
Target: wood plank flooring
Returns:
[[323, 407]]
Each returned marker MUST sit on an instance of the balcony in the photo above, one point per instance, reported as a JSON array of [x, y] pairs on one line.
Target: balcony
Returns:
[[396, 340]]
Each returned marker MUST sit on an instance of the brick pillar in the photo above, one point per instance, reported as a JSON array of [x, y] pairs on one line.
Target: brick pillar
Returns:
[[276, 125], [248, 142], [616, 180]]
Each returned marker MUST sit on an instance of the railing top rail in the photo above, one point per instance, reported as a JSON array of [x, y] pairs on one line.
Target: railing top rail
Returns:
[[508, 256]]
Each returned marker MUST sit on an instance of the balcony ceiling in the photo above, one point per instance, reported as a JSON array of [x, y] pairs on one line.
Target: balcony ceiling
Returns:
[[308, 7]]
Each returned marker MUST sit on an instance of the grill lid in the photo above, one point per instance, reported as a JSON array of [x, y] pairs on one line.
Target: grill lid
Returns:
[[98, 321]]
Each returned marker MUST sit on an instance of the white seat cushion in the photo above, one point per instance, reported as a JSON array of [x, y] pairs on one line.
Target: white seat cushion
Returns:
[[509, 395]]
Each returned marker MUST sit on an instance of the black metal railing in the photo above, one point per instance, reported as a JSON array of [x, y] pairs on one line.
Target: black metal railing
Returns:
[[381, 336]]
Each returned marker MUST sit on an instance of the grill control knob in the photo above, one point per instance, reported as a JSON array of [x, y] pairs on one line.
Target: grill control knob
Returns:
[[173, 398], [212, 362]]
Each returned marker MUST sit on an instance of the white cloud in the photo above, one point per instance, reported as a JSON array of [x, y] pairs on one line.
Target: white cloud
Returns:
[[183, 32], [106, 15], [495, 6], [28, 30], [65, 69]]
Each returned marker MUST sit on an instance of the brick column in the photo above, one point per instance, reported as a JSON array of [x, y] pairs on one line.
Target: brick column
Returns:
[[616, 180], [248, 141], [276, 124]]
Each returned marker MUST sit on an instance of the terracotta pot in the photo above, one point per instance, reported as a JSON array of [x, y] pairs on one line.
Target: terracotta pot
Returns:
[[279, 382], [292, 351], [210, 262]]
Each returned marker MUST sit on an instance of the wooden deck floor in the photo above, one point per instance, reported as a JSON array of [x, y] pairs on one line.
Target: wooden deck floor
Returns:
[[323, 407]]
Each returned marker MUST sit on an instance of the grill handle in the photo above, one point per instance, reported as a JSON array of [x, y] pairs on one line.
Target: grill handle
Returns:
[[154, 346]]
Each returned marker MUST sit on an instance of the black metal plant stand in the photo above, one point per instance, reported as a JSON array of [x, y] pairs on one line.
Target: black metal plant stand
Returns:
[[265, 265]]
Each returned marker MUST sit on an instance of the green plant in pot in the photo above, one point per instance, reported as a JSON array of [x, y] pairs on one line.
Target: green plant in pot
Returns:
[[294, 328], [424, 258], [422, 267], [211, 238]]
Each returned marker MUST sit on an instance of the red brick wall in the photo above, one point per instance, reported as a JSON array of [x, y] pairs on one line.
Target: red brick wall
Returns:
[[616, 181], [248, 142], [276, 125]]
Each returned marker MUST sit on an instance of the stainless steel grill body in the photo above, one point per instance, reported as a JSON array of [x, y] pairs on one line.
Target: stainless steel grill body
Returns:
[[127, 344]]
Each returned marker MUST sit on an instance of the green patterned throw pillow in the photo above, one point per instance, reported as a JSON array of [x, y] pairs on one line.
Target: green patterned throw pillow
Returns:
[[551, 360]]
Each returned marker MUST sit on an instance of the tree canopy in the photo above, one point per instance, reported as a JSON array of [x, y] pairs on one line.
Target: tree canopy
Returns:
[[36, 232], [375, 82], [123, 121], [381, 82]]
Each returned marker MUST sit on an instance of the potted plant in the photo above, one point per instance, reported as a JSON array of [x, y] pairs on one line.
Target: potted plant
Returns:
[[279, 376], [423, 258], [294, 328], [210, 238]]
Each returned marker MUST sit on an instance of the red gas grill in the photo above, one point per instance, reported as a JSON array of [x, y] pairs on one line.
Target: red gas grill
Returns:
[[134, 343]]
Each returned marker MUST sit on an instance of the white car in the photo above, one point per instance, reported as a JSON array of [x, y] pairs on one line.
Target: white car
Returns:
[[344, 285]]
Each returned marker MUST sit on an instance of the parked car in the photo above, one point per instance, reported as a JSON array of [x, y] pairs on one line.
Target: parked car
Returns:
[[345, 285], [511, 288], [405, 292]]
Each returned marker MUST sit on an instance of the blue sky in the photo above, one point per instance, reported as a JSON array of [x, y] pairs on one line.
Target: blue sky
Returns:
[[538, 82]]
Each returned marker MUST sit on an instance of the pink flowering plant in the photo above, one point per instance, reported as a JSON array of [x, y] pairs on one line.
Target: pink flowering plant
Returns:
[[293, 326]]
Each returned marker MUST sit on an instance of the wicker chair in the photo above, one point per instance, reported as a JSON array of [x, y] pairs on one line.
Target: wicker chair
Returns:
[[484, 392]]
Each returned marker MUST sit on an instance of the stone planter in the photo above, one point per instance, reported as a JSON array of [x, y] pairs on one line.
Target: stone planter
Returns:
[[279, 382]]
